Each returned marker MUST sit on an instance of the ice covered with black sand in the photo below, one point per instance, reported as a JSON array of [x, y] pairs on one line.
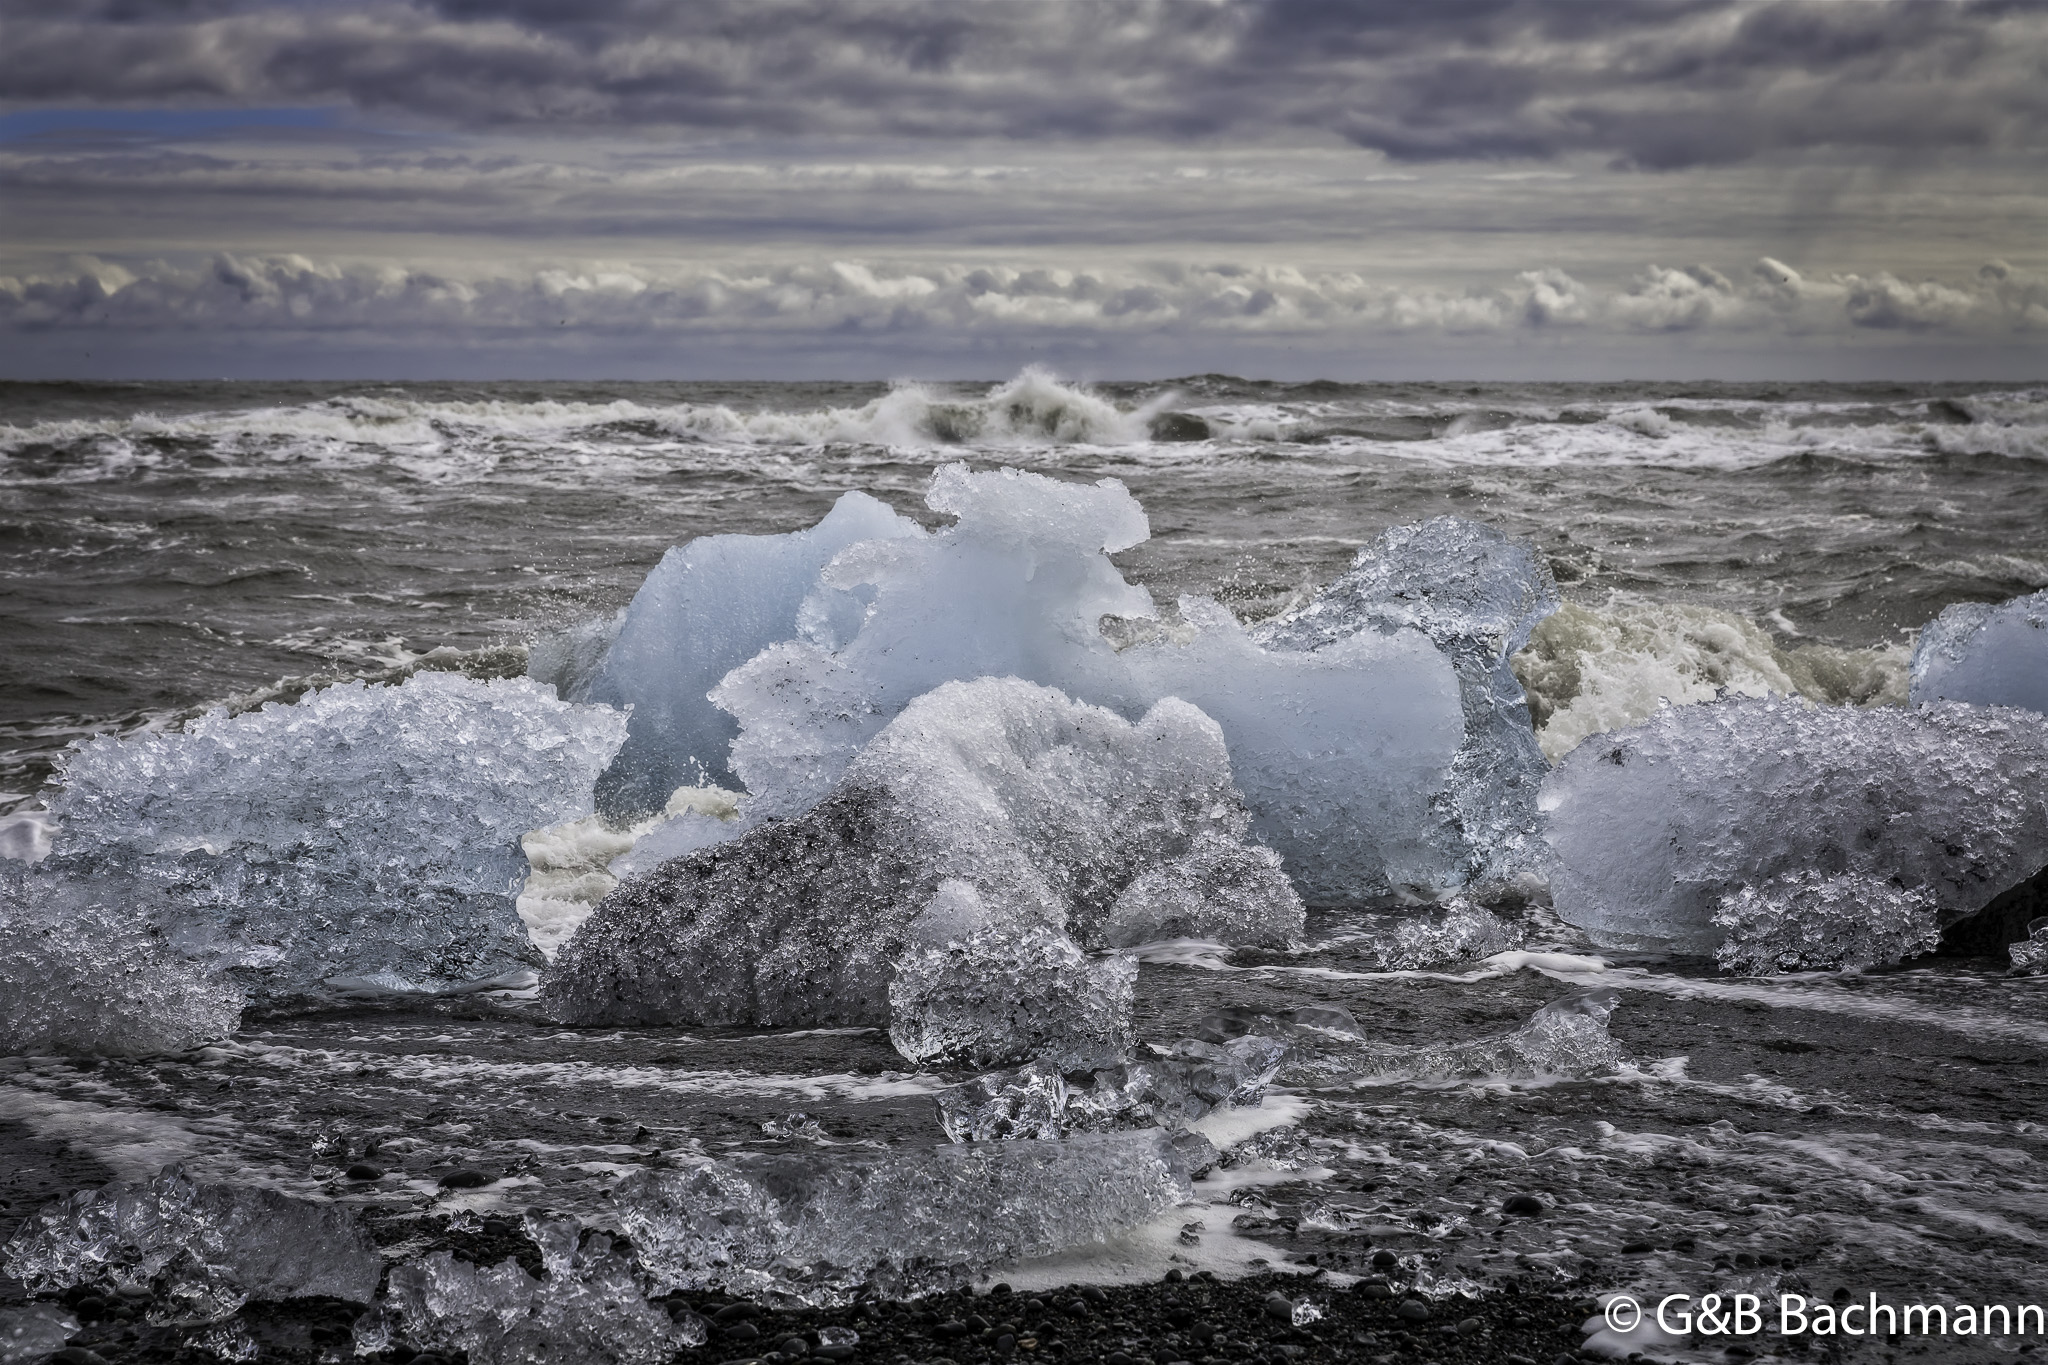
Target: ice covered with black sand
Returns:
[[1212, 872]]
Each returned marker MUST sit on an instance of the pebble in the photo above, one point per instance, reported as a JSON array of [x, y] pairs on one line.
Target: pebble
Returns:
[[466, 1179], [1469, 1327], [742, 1331], [1385, 1259], [1414, 1310], [363, 1170], [1523, 1205], [1281, 1307], [1637, 1248], [733, 1312], [796, 1347]]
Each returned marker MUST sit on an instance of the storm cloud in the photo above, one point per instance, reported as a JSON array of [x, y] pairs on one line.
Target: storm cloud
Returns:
[[1655, 84]]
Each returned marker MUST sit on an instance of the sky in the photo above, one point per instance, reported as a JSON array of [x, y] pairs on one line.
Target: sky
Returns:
[[1444, 189]]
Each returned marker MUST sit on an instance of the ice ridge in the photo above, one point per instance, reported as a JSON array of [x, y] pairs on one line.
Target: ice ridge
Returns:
[[1791, 834]]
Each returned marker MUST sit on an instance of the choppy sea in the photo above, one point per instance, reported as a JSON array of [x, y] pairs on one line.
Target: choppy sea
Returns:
[[169, 547]]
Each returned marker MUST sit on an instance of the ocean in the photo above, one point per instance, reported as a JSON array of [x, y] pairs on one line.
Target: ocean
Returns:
[[170, 548]]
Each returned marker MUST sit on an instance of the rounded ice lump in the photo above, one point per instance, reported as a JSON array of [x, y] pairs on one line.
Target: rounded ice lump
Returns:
[[1734, 817], [1995, 655], [987, 814], [364, 838]]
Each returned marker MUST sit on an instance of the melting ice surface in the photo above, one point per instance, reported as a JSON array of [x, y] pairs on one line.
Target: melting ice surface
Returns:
[[1002, 955]]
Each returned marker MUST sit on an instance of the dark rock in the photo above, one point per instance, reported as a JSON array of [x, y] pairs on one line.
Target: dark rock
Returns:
[[1280, 1306], [1470, 1327], [1385, 1260], [1637, 1248], [1413, 1310], [733, 1312], [1523, 1205], [1094, 1295], [742, 1330], [468, 1178], [363, 1170], [1375, 1289], [1076, 1309]]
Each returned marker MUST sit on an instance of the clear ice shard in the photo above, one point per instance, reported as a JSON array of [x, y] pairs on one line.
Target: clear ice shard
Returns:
[[1477, 595], [1991, 654], [1175, 1086], [1706, 826], [589, 1309], [708, 607], [1566, 1038], [206, 1249], [2030, 954], [1341, 752], [367, 837], [817, 1229], [1457, 931], [1027, 1102], [995, 815]]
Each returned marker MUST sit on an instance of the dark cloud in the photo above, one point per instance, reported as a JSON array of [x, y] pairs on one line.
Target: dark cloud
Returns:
[[1656, 84]]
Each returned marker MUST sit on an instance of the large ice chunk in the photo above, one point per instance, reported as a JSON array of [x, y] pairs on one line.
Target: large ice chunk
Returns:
[[1477, 595], [1724, 817], [709, 606], [1340, 752], [204, 1249], [1034, 813], [590, 1308], [78, 976], [365, 836], [1996, 655], [817, 1229]]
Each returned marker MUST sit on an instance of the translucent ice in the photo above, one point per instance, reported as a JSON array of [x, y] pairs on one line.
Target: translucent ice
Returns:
[[1996, 655], [1477, 595], [1806, 920], [590, 1309], [1180, 1084], [2030, 954], [1028, 1102], [1566, 1037], [1041, 811], [78, 976], [205, 1249], [1751, 810], [1340, 752], [708, 607], [1457, 932], [365, 834], [816, 1229], [1005, 992]]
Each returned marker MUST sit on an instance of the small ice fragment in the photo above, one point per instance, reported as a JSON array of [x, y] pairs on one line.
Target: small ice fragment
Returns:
[[1661, 828], [208, 1249], [1305, 1313], [817, 1229], [1994, 655], [590, 1307], [1567, 1037], [2030, 954], [1007, 994], [838, 1336], [1028, 1102], [1457, 932]]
